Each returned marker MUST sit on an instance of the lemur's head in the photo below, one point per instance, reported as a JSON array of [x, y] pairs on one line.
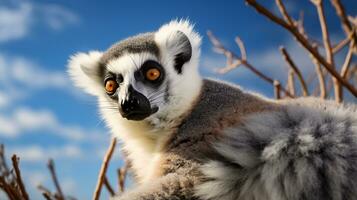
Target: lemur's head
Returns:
[[148, 76]]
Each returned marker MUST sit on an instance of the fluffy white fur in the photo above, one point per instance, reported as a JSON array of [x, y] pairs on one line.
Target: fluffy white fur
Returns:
[[141, 141], [187, 86], [82, 68]]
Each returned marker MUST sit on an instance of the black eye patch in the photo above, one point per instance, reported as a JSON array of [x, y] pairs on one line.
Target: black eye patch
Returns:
[[147, 66], [118, 78]]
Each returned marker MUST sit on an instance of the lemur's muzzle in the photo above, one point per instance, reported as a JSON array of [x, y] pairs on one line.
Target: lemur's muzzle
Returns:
[[136, 106]]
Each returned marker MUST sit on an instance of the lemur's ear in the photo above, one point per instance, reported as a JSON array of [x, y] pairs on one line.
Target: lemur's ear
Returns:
[[180, 43], [84, 69]]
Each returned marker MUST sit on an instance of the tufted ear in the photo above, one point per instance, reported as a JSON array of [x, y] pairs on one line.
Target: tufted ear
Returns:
[[180, 43], [84, 69]]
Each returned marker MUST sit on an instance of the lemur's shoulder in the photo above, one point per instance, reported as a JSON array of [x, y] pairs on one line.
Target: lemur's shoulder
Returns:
[[220, 105]]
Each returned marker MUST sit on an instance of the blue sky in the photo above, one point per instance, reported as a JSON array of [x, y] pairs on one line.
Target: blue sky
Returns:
[[42, 115]]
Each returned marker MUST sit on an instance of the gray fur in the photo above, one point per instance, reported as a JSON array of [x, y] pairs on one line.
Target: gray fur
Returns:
[[136, 44], [305, 150], [223, 149], [220, 105]]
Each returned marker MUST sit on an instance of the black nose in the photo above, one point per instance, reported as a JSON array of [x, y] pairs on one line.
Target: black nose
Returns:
[[136, 106]]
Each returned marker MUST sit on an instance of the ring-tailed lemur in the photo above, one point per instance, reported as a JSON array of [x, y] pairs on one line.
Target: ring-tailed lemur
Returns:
[[193, 138]]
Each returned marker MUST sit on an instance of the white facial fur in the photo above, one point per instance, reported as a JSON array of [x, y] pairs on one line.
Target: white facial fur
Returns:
[[143, 139]]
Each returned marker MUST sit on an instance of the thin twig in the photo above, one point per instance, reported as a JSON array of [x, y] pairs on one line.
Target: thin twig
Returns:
[[284, 13], [51, 167], [240, 60], [277, 88], [108, 186], [5, 168], [296, 70], [346, 25], [241, 46], [122, 173], [291, 82], [103, 169], [347, 61], [19, 181], [338, 47], [45, 192], [328, 48], [320, 76], [303, 41]]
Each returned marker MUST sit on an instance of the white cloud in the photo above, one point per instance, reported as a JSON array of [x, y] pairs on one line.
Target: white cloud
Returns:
[[4, 100], [19, 76], [35, 153], [57, 17], [27, 73], [26, 120], [16, 21]]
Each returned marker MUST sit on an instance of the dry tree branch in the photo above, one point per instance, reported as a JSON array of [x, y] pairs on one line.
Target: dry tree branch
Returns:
[[304, 42], [284, 12], [15, 163], [277, 88], [346, 25], [108, 186], [291, 82], [4, 169], [122, 173], [328, 48], [46, 193], [338, 47], [296, 70], [51, 167], [104, 168], [347, 61], [219, 48], [321, 78]]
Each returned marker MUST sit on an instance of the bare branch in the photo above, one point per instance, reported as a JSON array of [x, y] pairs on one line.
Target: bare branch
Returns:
[[51, 167], [284, 13], [108, 186], [240, 60], [291, 82], [122, 173], [338, 47], [328, 48], [295, 69], [277, 88], [347, 27], [19, 181], [303, 41], [45, 192], [347, 62], [321, 78], [104, 168], [241, 46]]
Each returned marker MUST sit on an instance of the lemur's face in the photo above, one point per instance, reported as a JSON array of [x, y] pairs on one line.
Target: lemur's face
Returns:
[[152, 75], [136, 85]]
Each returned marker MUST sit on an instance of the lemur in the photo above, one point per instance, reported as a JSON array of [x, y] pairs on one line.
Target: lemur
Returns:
[[193, 138]]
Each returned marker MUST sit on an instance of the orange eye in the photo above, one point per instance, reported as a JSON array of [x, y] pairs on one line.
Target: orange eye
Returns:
[[111, 86], [153, 74]]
